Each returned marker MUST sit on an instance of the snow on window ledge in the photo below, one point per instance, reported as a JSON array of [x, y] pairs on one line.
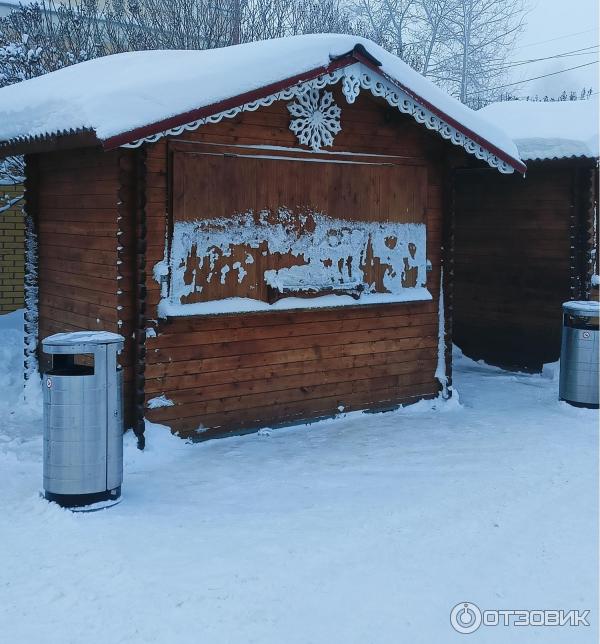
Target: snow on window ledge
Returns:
[[248, 305]]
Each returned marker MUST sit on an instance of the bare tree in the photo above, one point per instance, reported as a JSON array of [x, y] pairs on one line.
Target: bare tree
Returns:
[[12, 172], [48, 35], [434, 31], [460, 44], [390, 23], [320, 16], [482, 33], [262, 19], [178, 24]]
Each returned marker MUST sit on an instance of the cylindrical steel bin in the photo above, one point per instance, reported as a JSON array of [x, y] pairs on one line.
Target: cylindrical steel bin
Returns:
[[83, 418], [579, 354]]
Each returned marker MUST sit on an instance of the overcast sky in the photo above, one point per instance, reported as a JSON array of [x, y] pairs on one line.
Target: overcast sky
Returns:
[[564, 26]]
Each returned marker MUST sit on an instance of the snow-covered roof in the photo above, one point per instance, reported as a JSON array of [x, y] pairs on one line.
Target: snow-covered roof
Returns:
[[117, 96], [549, 130]]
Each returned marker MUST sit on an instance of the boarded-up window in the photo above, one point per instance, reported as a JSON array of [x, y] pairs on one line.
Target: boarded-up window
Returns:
[[265, 225]]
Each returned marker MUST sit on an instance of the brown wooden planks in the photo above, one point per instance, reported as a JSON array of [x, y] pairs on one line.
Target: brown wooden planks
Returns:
[[294, 330], [225, 347], [297, 411], [282, 397], [232, 372], [77, 241], [512, 263], [220, 363], [240, 374]]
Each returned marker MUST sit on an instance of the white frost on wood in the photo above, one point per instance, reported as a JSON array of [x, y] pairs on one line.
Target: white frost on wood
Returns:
[[333, 254], [159, 401], [160, 273], [249, 305], [307, 278], [224, 272]]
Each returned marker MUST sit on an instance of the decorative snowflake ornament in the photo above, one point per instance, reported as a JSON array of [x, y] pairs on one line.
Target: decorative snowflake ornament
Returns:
[[317, 119]]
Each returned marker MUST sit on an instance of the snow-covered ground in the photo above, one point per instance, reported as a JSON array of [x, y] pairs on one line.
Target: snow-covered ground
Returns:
[[364, 529]]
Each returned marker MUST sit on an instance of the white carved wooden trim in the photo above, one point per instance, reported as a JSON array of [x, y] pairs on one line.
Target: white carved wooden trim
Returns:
[[316, 118], [354, 78]]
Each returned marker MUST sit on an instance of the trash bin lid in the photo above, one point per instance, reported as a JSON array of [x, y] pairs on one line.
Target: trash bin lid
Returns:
[[82, 337], [582, 308]]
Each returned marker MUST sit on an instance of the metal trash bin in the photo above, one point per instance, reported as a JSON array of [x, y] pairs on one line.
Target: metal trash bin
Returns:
[[83, 418], [579, 354]]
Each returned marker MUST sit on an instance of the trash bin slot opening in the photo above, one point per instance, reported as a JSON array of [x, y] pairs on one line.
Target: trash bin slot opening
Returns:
[[582, 322], [80, 364]]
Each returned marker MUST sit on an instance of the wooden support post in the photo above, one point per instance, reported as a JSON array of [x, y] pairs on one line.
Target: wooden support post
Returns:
[[582, 231], [140, 295], [448, 264]]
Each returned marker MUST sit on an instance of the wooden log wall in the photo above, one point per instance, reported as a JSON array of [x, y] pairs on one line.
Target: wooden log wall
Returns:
[[232, 373], [77, 241], [584, 231], [518, 256], [84, 200]]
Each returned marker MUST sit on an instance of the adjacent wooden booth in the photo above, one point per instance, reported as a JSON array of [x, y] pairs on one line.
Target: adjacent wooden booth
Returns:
[[525, 246], [273, 257]]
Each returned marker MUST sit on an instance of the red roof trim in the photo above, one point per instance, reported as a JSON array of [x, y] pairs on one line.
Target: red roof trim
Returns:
[[223, 106], [267, 90], [515, 163]]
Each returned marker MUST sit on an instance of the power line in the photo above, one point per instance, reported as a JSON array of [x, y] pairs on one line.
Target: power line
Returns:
[[505, 65], [562, 71], [541, 42], [567, 54], [585, 51]]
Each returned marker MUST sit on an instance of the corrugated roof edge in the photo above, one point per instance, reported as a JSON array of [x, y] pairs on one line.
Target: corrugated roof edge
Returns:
[[59, 140], [572, 157]]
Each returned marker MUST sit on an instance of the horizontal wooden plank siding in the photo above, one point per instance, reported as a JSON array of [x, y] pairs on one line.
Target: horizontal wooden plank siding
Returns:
[[265, 379], [232, 373], [77, 242], [512, 263]]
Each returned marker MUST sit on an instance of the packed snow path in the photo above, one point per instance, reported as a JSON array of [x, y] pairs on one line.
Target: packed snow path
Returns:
[[366, 529]]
